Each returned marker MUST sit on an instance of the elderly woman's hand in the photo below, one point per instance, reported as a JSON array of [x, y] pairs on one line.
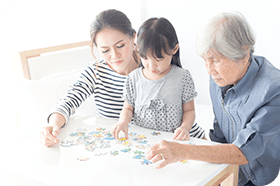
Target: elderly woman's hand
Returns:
[[169, 152]]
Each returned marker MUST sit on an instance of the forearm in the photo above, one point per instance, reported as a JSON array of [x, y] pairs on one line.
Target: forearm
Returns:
[[188, 119], [222, 153], [57, 119], [126, 114]]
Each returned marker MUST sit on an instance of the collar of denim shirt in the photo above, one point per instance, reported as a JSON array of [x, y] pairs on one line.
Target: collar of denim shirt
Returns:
[[244, 86]]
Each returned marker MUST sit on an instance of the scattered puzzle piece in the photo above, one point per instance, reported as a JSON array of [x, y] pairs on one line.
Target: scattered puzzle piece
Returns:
[[139, 156], [145, 162], [156, 133], [83, 158], [138, 152], [183, 161], [126, 150], [114, 153]]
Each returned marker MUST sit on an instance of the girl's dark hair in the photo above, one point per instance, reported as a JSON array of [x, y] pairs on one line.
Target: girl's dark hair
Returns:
[[158, 34], [111, 19]]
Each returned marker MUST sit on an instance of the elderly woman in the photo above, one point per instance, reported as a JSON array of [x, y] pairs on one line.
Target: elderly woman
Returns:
[[245, 93]]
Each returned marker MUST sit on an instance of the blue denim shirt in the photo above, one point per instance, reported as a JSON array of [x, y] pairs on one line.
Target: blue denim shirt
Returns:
[[248, 116]]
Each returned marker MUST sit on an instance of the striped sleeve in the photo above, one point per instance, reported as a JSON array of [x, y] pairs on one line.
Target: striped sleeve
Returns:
[[197, 132], [77, 93]]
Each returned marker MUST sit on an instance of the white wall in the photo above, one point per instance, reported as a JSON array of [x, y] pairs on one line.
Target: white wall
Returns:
[[189, 16], [33, 24]]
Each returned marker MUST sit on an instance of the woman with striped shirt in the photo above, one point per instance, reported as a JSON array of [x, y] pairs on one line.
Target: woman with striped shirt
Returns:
[[111, 32]]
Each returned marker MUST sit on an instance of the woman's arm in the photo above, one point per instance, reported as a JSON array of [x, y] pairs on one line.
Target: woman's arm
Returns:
[[49, 133], [173, 152]]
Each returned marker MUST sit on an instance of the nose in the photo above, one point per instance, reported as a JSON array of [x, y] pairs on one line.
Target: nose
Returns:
[[115, 55], [152, 64]]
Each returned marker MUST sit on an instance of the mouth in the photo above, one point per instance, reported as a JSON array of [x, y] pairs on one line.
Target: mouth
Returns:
[[154, 72], [118, 62], [216, 79]]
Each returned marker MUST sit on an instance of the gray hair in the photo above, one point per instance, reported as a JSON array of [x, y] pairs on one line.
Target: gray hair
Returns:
[[228, 34]]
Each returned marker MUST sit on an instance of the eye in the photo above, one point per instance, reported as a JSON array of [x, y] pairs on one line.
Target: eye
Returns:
[[104, 51], [159, 59], [120, 46]]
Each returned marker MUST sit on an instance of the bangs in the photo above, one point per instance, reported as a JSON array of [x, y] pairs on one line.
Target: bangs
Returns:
[[154, 44]]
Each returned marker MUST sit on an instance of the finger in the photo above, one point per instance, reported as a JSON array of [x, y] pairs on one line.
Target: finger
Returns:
[[153, 153], [179, 135], [182, 136], [156, 146], [55, 131], [157, 157], [112, 131], [45, 141], [126, 134], [162, 164], [48, 135], [177, 132], [188, 136]]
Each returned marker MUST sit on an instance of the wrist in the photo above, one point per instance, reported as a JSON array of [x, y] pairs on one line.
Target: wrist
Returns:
[[57, 120]]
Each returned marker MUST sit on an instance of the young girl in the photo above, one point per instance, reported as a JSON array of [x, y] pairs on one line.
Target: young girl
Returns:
[[160, 94]]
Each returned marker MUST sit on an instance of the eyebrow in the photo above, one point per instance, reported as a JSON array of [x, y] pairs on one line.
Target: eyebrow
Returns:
[[114, 44]]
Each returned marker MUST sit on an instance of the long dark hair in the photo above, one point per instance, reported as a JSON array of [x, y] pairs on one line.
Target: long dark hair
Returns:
[[158, 34], [114, 19]]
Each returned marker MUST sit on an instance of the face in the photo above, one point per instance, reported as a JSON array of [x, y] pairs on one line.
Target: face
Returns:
[[155, 68], [116, 48], [224, 71]]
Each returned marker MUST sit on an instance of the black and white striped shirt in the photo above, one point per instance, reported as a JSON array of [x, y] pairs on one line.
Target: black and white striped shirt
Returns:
[[98, 79]]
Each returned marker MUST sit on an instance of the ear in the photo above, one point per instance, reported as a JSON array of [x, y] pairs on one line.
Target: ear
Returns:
[[247, 57], [175, 49], [134, 37]]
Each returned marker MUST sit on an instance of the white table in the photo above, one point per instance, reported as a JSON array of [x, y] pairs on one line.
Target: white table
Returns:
[[25, 160]]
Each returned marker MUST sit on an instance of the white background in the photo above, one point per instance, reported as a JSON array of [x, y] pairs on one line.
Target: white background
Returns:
[[30, 24]]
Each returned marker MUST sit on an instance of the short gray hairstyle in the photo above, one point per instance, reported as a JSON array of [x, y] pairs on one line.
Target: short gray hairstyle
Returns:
[[228, 34]]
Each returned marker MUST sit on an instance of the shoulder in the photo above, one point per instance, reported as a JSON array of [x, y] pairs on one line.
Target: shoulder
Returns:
[[181, 73], [135, 74], [99, 63], [267, 84], [267, 74]]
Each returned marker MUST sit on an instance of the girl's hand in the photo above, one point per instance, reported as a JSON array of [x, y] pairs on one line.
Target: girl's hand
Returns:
[[115, 130], [181, 133], [48, 135]]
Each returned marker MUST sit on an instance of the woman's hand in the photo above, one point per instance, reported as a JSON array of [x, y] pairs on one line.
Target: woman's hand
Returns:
[[115, 130], [48, 135], [181, 133], [169, 152]]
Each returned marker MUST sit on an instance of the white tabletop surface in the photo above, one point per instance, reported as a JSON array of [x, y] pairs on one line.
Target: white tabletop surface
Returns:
[[25, 159]]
